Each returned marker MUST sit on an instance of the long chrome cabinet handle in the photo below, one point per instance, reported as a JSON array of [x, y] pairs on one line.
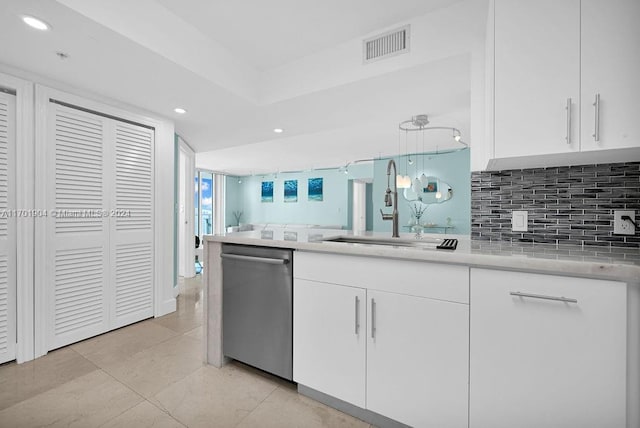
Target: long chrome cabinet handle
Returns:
[[357, 315], [373, 318], [268, 260], [596, 130], [543, 297], [568, 108]]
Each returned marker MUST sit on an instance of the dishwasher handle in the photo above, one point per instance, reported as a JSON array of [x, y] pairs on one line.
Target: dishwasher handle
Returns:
[[267, 260]]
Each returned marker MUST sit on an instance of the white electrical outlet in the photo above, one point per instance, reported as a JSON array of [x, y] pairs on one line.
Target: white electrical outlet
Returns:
[[519, 220], [623, 227]]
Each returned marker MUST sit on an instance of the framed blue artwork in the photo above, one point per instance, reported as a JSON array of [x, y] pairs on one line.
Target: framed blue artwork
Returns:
[[267, 191], [291, 190], [315, 189]]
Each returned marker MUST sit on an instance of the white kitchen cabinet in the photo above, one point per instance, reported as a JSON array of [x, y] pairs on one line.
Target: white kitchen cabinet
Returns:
[[550, 55], [537, 72], [329, 339], [410, 353], [547, 363], [417, 359], [610, 65]]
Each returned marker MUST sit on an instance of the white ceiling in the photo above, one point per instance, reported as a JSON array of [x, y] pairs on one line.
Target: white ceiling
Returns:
[[241, 68], [268, 34]]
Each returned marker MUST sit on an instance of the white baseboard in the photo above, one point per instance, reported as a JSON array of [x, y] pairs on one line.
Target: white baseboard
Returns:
[[168, 306]]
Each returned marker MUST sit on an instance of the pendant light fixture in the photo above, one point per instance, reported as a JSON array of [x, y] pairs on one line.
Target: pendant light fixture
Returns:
[[416, 185], [419, 123], [402, 181], [424, 180]]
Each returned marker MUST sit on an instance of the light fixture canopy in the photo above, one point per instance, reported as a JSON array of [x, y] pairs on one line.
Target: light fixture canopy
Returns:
[[36, 23], [278, 130], [180, 110]]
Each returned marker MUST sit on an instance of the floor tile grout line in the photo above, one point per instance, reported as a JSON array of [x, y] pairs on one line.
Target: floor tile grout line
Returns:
[[137, 352], [127, 387], [257, 405], [32, 363], [165, 411]]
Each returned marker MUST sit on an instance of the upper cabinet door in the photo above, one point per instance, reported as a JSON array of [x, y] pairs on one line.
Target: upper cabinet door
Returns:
[[610, 68], [537, 70]]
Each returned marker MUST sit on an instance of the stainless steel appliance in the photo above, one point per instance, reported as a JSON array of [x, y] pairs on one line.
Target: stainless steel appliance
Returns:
[[257, 302]]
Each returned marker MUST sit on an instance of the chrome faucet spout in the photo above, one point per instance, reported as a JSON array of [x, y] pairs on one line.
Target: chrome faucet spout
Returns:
[[387, 198]]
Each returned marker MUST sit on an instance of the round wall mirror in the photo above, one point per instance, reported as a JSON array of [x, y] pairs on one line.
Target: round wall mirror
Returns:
[[428, 190]]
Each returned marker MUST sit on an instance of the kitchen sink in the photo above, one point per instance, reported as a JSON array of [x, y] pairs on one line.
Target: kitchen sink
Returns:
[[390, 242]]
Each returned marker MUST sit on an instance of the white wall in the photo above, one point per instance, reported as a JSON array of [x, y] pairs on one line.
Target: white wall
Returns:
[[29, 305]]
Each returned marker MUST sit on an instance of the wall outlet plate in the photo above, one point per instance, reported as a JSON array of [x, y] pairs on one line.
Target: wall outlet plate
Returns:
[[623, 227], [519, 220]]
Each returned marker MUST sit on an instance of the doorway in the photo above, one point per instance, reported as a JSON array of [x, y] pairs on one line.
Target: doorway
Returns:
[[361, 209], [186, 200], [204, 212]]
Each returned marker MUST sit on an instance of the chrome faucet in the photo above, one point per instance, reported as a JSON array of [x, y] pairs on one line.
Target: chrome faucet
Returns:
[[387, 198]]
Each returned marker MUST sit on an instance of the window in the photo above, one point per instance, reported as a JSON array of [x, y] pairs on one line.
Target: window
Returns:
[[203, 203]]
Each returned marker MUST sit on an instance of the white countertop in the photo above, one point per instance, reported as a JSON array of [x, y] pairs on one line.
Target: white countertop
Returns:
[[622, 264]]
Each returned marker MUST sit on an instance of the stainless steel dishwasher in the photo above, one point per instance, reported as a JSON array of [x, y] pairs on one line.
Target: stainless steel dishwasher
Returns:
[[257, 302]]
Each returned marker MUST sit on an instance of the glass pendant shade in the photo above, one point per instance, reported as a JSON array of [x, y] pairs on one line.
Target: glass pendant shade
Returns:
[[403, 182], [417, 185]]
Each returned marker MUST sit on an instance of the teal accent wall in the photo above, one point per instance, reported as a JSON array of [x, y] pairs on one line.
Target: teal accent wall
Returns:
[[335, 209], [233, 199], [332, 210], [452, 168]]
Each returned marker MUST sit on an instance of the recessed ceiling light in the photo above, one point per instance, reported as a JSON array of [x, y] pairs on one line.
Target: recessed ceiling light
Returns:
[[179, 110], [35, 23], [278, 130]]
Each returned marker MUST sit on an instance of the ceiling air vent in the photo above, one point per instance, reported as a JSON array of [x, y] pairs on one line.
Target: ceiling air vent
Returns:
[[385, 45]]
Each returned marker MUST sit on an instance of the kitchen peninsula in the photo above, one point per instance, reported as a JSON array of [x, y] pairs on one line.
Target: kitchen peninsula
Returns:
[[471, 337]]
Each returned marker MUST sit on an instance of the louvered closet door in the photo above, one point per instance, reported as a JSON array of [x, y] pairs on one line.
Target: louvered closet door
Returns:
[[7, 228], [78, 237], [132, 225]]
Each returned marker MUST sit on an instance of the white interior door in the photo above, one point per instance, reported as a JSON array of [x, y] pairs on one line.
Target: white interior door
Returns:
[[77, 232], [131, 222], [359, 220], [186, 233], [99, 244], [7, 227]]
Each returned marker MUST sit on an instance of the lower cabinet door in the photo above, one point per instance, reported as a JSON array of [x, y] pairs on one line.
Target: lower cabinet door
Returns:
[[418, 360], [329, 343], [537, 362]]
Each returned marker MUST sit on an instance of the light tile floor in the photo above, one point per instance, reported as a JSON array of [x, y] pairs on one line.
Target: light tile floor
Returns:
[[151, 374]]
